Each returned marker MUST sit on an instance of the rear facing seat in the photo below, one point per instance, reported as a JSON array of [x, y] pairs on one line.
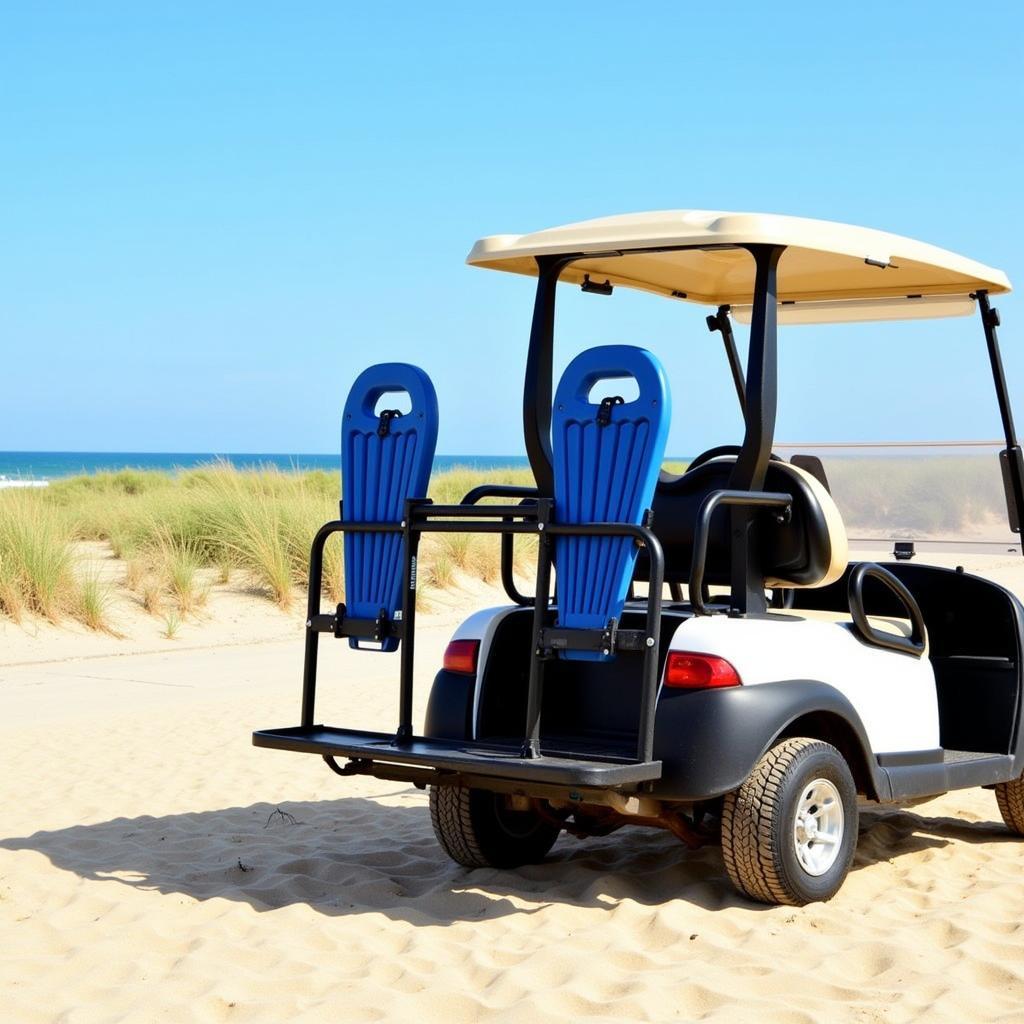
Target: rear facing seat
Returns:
[[809, 551]]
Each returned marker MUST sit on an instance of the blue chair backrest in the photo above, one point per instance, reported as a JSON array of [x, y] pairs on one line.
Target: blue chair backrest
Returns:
[[385, 458], [607, 458]]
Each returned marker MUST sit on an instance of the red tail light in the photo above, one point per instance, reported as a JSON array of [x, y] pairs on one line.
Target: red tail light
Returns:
[[687, 671], [460, 656]]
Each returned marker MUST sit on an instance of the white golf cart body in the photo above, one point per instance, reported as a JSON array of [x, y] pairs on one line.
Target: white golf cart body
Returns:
[[893, 694], [827, 273], [773, 652]]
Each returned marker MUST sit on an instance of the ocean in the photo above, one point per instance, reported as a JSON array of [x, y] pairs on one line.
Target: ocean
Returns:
[[15, 466]]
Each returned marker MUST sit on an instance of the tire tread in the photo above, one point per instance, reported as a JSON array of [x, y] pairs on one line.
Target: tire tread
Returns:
[[450, 814], [1010, 798], [750, 817]]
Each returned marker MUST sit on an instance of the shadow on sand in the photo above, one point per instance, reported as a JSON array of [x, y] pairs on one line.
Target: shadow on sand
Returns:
[[355, 855]]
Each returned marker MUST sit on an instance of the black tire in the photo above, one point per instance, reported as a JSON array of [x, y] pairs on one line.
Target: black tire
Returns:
[[758, 821], [477, 829], [1010, 797]]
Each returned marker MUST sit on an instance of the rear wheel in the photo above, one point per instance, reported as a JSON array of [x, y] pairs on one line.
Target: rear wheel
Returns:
[[1010, 797], [479, 829], [790, 831]]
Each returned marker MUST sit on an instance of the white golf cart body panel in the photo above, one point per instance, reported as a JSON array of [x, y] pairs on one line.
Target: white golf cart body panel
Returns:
[[893, 693], [823, 262]]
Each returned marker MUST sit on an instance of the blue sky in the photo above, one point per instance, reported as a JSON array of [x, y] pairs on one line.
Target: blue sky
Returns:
[[214, 215]]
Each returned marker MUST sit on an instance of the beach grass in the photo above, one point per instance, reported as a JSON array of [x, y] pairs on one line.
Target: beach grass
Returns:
[[181, 533], [93, 601], [36, 557], [170, 528]]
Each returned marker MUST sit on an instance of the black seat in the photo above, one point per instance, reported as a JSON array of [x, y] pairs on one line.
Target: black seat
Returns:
[[809, 551]]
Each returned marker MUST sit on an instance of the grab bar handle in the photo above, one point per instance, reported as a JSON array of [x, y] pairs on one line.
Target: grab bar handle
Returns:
[[915, 644], [753, 499]]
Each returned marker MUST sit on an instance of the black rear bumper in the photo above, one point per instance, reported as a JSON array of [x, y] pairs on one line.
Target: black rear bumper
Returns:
[[464, 758]]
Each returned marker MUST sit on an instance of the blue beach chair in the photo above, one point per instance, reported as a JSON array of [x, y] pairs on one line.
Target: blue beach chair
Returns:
[[607, 457], [386, 457]]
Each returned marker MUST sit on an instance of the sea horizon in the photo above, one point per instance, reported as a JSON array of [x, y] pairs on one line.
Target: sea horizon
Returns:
[[54, 465]]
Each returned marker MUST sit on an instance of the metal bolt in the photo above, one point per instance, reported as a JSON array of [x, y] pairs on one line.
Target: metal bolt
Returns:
[[402, 524], [309, 623], [606, 651], [649, 641], [540, 526]]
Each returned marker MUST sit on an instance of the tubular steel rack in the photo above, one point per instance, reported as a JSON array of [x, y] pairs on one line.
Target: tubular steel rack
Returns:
[[404, 755]]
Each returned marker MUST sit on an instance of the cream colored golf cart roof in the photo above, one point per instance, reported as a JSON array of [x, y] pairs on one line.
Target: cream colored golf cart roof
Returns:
[[825, 263]]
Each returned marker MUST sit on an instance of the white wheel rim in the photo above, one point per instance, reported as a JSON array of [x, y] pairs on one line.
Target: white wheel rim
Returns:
[[818, 827]]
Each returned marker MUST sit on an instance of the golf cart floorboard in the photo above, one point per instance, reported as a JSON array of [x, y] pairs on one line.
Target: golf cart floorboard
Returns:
[[482, 759], [958, 769], [964, 756]]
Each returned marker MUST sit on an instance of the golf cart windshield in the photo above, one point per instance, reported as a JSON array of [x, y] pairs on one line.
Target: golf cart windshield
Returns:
[[942, 497]]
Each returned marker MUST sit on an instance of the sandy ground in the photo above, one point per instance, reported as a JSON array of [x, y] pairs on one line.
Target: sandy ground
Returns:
[[154, 866]]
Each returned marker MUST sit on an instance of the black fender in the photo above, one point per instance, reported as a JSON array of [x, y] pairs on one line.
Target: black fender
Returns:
[[450, 707], [710, 740]]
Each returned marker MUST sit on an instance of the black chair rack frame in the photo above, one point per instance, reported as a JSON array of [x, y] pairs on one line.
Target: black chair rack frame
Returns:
[[533, 515]]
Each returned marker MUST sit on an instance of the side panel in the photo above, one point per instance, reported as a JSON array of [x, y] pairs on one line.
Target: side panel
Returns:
[[893, 693], [709, 741]]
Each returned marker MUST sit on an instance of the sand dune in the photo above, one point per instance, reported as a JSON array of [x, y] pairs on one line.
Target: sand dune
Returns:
[[154, 866]]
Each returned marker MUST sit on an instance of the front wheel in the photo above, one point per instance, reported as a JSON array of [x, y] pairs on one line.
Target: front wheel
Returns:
[[790, 831], [479, 829]]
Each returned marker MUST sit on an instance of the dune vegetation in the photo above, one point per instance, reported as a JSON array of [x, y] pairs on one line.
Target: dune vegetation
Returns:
[[179, 534]]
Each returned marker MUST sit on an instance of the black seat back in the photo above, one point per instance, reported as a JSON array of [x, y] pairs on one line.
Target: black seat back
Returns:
[[809, 551]]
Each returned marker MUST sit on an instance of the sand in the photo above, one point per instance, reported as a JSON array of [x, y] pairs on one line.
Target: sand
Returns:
[[154, 866]]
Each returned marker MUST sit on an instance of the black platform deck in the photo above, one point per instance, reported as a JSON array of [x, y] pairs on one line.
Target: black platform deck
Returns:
[[468, 758]]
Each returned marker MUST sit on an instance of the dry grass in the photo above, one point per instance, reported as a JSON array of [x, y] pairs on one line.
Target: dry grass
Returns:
[[172, 530], [215, 523], [36, 557], [152, 595], [440, 571], [93, 602], [180, 560]]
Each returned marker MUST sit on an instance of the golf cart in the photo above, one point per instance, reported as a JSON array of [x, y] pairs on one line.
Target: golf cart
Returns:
[[699, 653]]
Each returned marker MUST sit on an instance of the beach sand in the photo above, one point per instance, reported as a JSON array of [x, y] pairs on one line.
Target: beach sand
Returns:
[[154, 866]]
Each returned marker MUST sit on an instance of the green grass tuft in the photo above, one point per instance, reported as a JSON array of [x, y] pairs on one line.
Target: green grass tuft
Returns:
[[35, 556], [93, 602]]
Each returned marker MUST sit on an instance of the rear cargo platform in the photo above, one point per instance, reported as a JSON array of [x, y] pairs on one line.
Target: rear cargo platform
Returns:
[[468, 758]]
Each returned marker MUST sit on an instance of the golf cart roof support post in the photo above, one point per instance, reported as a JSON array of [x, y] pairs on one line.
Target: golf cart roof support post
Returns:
[[1011, 460], [990, 320], [537, 389], [751, 465], [720, 321]]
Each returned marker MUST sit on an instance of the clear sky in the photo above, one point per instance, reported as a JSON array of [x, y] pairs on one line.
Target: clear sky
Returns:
[[212, 216]]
